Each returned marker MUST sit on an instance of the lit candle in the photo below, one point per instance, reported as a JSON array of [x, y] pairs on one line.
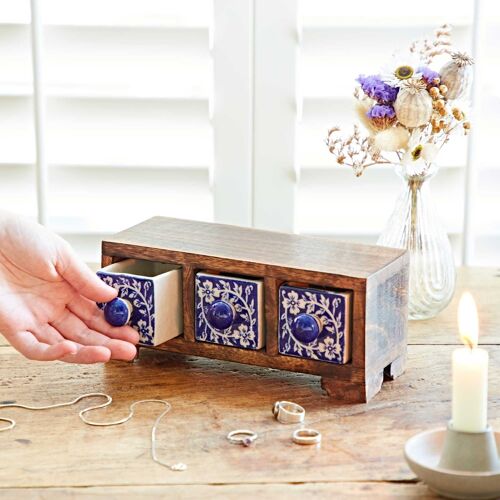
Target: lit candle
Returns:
[[470, 373]]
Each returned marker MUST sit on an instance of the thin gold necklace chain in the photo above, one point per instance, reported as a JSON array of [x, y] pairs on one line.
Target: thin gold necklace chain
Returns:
[[175, 467]]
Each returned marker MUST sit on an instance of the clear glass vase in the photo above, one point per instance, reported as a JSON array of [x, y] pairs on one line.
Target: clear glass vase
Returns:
[[414, 225]]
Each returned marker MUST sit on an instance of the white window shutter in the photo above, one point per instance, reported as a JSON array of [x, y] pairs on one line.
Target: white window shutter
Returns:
[[482, 216], [127, 126], [233, 111], [275, 114], [218, 110]]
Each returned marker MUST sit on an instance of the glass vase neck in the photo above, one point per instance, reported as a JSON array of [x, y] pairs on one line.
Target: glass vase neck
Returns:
[[416, 176]]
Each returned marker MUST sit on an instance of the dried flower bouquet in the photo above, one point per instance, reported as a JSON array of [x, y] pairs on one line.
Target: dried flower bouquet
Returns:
[[409, 109]]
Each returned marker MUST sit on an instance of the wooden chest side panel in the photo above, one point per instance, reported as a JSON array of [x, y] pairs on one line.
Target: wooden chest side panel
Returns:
[[387, 316]]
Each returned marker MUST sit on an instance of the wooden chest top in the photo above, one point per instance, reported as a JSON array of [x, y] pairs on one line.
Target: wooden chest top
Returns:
[[232, 243]]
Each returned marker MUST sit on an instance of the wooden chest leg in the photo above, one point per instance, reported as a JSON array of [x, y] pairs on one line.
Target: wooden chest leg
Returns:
[[352, 392], [396, 368]]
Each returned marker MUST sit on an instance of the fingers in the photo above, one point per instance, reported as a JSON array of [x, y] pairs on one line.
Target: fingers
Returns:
[[47, 344], [73, 328], [83, 355], [93, 317], [80, 277], [47, 334], [30, 347], [89, 354]]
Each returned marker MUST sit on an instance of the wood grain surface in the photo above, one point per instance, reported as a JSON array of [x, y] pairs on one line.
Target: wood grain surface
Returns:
[[226, 244], [484, 283], [52, 454], [338, 491]]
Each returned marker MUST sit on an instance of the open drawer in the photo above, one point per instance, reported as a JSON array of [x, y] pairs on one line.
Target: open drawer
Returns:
[[149, 298]]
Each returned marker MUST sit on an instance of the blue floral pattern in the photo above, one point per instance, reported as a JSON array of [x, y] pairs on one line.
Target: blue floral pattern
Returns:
[[140, 293], [330, 308], [242, 295]]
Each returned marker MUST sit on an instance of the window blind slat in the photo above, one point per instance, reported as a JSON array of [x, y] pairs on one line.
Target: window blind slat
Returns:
[[102, 200], [110, 132], [110, 13]]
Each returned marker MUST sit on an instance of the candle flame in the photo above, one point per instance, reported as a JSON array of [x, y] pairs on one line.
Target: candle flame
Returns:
[[468, 324]]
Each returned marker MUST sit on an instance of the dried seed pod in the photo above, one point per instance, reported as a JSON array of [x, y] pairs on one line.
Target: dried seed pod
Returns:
[[457, 114], [456, 74], [443, 89], [434, 92], [466, 125], [413, 105]]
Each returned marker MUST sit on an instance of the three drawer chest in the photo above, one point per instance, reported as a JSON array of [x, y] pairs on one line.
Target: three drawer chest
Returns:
[[300, 303]]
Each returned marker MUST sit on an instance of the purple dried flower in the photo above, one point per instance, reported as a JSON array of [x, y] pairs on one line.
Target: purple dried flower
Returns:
[[428, 74], [381, 111], [381, 116], [376, 89]]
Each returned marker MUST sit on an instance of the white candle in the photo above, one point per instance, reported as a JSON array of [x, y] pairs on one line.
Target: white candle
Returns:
[[470, 373]]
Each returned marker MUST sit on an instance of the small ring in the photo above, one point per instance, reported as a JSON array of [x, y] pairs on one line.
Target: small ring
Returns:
[[306, 436], [242, 436], [287, 412]]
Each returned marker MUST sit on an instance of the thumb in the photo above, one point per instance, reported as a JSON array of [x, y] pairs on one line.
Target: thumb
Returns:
[[80, 277]]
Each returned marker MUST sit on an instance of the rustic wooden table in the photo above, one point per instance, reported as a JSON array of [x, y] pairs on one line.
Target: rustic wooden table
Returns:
[[52, 454]]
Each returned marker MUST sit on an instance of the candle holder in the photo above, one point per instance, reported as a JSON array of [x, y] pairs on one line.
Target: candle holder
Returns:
[[457, 464]]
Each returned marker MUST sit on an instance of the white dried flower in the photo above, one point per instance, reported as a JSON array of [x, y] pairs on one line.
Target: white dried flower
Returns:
[[403, 66], [419, 154], [429, 152]]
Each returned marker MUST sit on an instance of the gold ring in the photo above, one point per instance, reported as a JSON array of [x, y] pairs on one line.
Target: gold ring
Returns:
[[287, 412], [242, 436], [306, 436]]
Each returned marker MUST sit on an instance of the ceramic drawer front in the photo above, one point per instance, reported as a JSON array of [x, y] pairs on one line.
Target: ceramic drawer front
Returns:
[[152, 293], [228, 311], [315, 324]]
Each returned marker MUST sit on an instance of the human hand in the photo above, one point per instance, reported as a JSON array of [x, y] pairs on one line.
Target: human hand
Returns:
[[48, 299]]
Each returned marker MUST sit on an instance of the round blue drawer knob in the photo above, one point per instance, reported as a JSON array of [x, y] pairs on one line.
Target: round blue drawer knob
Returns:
[[118, 311], [306, 328], [220, 315]]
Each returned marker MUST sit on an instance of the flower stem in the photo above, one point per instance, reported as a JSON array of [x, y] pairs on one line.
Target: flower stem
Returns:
[[414, 186]]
